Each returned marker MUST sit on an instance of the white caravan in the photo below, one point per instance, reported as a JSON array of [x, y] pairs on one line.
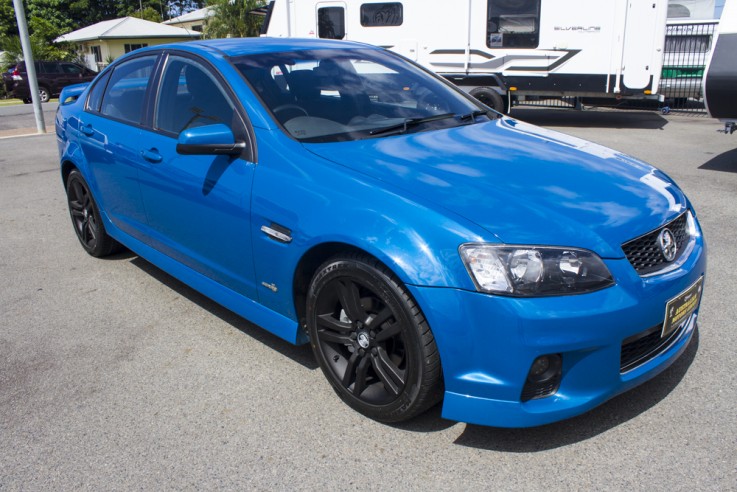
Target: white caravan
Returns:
[[500, 49]]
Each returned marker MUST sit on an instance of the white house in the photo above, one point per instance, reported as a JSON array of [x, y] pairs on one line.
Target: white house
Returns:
[[192, 21], [103, 42]]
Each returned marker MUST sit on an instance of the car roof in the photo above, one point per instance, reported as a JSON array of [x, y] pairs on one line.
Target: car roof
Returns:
[[249, 46]]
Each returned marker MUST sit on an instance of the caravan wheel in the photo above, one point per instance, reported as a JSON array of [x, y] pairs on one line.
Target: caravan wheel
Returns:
[[491, 98]]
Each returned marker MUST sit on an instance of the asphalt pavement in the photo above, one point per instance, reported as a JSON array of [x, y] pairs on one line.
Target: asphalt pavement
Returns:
[[19, 119], [114, 375]]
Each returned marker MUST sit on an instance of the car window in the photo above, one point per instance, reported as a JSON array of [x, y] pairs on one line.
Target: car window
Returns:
[[51, 67], [124, 96], [330, 95], [95, 98], [190, 96], [71, 69]]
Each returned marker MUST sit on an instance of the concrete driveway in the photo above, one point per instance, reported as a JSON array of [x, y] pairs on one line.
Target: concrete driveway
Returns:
[[113, 375]]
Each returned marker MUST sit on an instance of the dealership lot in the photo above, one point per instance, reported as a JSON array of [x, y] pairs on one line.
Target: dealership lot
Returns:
[[114, 375]]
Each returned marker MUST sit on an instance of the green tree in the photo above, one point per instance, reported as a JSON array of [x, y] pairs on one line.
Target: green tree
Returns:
[[8, 25], [179, 7], [41, 49], [148, 13], [231, 18]]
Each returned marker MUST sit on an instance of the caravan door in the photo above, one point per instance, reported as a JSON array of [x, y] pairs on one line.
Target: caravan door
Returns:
[[643, 46], [330, 18]]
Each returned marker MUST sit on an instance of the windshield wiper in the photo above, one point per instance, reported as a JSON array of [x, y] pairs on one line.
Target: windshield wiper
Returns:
[[409, 122], [473, 114]]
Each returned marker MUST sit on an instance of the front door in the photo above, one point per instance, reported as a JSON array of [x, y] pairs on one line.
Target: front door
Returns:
[[198, 206]]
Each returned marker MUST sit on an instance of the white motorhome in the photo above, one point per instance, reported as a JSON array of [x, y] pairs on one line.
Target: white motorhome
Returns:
[[500, 49]]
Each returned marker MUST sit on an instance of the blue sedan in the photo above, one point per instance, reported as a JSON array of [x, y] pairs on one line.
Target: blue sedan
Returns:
[[428, 248]]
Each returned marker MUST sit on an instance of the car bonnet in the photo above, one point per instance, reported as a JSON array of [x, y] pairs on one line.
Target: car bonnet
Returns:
[[523, 184]]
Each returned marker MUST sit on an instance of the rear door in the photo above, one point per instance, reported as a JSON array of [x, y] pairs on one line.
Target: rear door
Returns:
[[110, 133]]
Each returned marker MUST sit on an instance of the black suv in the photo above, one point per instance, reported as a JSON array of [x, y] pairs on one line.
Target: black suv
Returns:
[[52, 77]]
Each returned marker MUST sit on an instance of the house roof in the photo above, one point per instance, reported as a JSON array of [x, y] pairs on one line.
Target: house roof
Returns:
[[126, 27], [195, 15]]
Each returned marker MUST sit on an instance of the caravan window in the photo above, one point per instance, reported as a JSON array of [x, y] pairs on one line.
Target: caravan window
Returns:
[[381, 14], [513, 24], [331, 22]]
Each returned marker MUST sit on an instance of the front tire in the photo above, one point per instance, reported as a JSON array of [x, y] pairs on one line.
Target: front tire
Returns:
[[86, 218], [371, 340]]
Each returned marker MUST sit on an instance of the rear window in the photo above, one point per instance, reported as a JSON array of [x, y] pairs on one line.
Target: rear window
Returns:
[[70, 68], [51, 67]]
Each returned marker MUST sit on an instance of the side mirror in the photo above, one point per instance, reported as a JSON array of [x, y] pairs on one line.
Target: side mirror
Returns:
[[215, 139]]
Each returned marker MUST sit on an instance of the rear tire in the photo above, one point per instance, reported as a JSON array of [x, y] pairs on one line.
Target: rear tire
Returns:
[[43, 94], [491, 98], [86, 218], [371, 340]]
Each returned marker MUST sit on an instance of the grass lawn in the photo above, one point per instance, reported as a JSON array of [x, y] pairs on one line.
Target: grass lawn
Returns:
[[13, 102]]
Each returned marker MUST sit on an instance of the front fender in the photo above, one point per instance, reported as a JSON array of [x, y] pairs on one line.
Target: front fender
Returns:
[[319, 202]]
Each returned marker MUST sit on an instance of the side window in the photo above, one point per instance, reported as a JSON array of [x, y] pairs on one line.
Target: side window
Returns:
[[331, 22], [95, 97], [191, 96], [381, 14], [71, 69], [51, 67], [513, 24], [124, 96]]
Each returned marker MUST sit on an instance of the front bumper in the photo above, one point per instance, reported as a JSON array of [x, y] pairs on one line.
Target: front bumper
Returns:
[[488, 343]]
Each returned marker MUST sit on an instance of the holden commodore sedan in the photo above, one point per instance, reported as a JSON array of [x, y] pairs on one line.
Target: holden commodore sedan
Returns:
[[428, 248]]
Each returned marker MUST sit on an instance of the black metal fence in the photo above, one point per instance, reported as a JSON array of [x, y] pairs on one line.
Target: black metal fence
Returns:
[[687, 46]]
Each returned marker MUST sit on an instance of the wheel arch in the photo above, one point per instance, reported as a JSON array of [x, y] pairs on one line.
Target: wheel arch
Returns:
[[308, 265], [67, 167]]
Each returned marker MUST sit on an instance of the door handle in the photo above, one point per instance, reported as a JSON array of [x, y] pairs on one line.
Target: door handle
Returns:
[[151, 155], [87, 130]]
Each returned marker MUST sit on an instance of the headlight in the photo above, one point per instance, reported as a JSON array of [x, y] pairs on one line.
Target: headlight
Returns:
[[534, 270]]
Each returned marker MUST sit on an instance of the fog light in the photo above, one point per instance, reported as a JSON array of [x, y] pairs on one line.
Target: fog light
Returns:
[[544, 368], [543, 378]]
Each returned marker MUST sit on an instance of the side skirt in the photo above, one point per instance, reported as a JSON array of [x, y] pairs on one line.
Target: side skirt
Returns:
[[249, 309]]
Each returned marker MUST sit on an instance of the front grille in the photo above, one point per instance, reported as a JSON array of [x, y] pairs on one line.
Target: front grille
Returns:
[[645, 346], [644, 252]]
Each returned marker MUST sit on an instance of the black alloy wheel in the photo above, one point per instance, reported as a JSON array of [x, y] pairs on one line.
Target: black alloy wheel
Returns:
[[371, 340], [86, 218]]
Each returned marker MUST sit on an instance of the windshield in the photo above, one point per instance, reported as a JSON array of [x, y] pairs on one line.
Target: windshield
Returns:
[[337, 94]]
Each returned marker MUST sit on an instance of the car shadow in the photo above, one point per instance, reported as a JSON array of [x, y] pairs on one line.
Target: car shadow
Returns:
[[301, 354], [123, 254], [726, 162], [597, 421], [646, 120], [601, 419]]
